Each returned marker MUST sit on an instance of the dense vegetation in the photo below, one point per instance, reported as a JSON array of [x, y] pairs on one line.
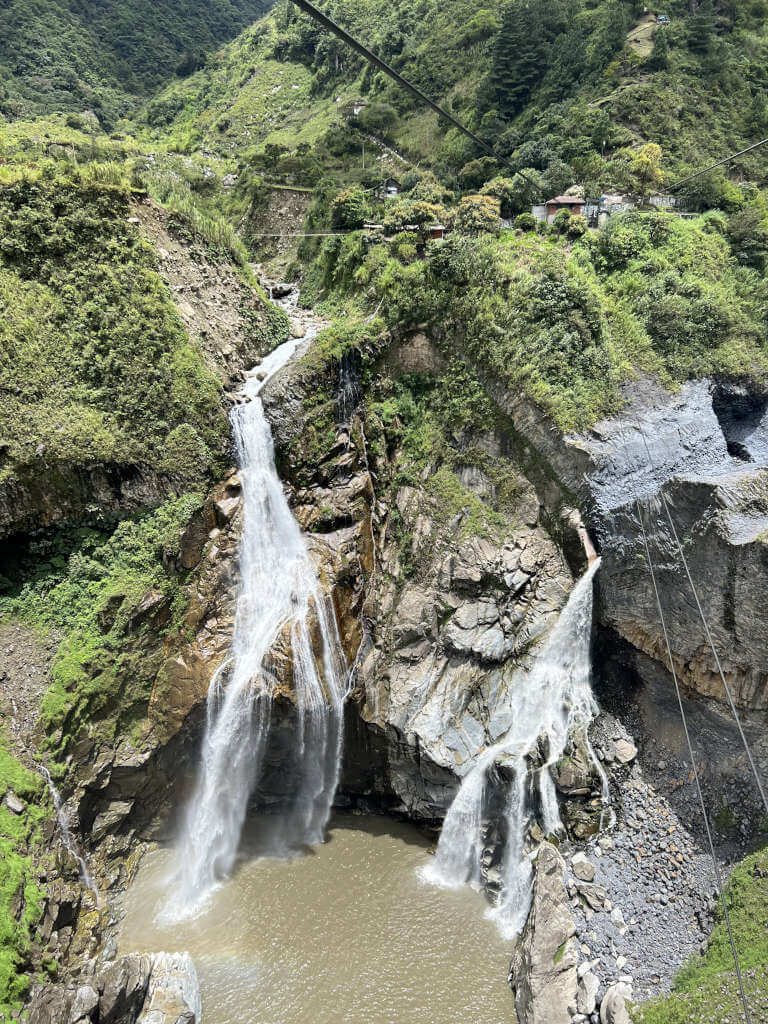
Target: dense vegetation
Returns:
[[567, 92], [20, 893], [84, 585], [565, 321], [97, 55], [94, 363]]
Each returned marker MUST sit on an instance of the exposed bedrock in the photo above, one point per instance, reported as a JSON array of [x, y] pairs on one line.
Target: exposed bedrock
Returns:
[[160, 988], [678, 453]]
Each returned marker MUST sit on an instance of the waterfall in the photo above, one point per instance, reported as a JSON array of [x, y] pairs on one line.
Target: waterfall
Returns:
[[280, 604], [66, 836], [554, 699]]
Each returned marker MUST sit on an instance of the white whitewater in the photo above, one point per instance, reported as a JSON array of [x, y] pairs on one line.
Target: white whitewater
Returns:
[[554, 699], [280, 599]]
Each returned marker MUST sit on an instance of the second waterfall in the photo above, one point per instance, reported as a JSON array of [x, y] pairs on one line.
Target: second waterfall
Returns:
[[280, 600]]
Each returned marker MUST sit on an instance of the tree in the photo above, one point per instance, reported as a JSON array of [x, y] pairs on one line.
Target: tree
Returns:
[[646, 169], [702, 27], [478, 215], [519, 55], [272, 153], [473, 174], [409, 213], [758, 113], [482, 25], [349, 210], [748, 234], [378, 117], [609, 36], [515, 194], [659, 58]]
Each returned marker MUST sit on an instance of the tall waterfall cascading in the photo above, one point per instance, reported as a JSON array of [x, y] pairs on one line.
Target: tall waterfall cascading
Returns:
[[553, 699], [280, 599]]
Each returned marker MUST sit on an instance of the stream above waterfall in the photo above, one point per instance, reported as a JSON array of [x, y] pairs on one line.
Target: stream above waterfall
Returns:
[[343, 934]]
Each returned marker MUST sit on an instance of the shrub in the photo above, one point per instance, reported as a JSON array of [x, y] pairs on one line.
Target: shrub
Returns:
[[350, 209], [577, 226], [525, 222], [561, 221], [478, 215]]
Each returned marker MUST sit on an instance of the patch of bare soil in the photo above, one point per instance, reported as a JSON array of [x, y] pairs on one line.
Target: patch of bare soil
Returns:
[[222, 314], [25, 662]]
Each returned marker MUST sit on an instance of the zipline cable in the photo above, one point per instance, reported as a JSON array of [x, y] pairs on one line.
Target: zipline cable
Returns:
[[704, 622], [370, 56], [705, 818], [719, 163]]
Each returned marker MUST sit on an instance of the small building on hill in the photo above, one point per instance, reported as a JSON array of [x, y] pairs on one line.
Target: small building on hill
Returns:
[[352, 109], [390, 189], [549, 210]]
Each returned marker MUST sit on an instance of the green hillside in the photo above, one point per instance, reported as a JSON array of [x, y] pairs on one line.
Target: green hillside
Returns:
[[568, 91], [96, 55]]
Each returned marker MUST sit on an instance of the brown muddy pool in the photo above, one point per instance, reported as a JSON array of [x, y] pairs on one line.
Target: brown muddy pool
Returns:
[[346, 934]]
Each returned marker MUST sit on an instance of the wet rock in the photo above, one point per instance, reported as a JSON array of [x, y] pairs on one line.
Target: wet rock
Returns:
[[225, 509], [113, 816], [543, 972], [192, 540], [173, 996]]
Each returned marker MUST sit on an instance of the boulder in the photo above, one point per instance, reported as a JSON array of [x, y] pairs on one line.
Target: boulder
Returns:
[[582, 867], [626, 751], [84, 1004], [153, 610], [14, 803], [613, 1008], [123, 985], [586, 999], [543, 972], [225, 509], [154, 989]]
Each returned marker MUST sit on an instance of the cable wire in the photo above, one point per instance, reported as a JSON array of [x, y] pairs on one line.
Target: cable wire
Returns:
[[719, 163], [715, 865], [323, 19], [703, 618]]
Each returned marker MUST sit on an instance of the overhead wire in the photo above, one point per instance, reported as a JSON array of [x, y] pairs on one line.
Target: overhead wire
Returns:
[[689, 743], [702, 616], [371, 57], [718, 163]]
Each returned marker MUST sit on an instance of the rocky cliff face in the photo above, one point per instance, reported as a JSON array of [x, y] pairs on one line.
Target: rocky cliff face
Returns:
[[438, 604], [434, 612]]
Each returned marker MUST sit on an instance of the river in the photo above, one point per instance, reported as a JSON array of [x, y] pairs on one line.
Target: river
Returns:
[[345, 934]]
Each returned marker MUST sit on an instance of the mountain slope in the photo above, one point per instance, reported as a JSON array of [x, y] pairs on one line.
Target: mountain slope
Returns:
[[561, 89], [89, 55]]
